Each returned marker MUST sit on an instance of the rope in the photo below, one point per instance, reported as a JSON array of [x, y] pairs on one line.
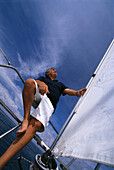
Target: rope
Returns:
[[19, 158]]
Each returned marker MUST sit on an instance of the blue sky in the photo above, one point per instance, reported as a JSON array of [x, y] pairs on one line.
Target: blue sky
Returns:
[[70, 35]]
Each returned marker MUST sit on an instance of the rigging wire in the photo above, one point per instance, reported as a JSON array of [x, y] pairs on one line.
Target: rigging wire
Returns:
[[5, 57]]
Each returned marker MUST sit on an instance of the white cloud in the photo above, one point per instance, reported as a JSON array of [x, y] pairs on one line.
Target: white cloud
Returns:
[[46, 49], [10, 93], [9, 101], [38, 63], [33, 67]]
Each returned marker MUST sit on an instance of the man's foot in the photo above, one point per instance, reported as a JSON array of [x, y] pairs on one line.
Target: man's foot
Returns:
[[23, 128]]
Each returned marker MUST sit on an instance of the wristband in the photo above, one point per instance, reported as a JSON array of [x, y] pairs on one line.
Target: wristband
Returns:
[[77, 93]]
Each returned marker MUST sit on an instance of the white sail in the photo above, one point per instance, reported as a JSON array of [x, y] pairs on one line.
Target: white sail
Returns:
[[90, 133]]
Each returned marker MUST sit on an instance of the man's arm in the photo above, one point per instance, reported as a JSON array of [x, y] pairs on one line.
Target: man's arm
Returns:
[[71, 92], [43, 88]]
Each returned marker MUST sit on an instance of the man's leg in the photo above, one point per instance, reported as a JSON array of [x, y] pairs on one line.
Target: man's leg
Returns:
[[28, 97], [21, 141]]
